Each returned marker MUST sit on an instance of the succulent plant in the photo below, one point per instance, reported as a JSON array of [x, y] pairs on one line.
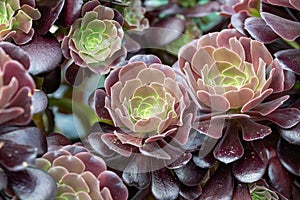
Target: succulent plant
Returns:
[[79, 174], [134, 16], [146, 103], [233, 79], [16, 20], [16, 85], [94, 39], [266, 20]]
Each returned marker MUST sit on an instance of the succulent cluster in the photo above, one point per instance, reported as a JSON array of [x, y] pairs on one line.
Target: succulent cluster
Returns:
[[149, 99]]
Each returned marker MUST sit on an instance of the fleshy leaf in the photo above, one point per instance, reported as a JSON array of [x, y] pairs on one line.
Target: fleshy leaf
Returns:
[[136, 172], [289, 59], [70, 12], [285, 28], [164, 185], [220, 186], [44, 53], [32, 184], [289, 156], [190, 174], [291, 135], [229, 148], [251, 167]]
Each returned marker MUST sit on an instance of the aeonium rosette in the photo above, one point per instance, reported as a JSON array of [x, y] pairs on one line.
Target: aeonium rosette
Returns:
[[16, 85], [16, 20], [148, 107], [94, 40], [234, 79]]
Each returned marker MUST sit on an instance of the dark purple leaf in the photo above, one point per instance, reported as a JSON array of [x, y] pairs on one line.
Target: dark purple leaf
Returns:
[[279, 177], [52, 80], [44, 53], [92, 163], [137, 171], [285, 28], [241, 191], [70, 12], [289, 156], [220, 186], [50, 10], [96, 144], [154, 150], [16, 53], [115, 185], [238, 22], [182, 160], [251, 167], [229, 148], [172, 27], [28, 135], [205, 162], [164, 185], [285, 117], [56, 141], [118, 17], [289, 59], [252, 130], [190, 174], [188, 192], [114, 144], [74, 75], [15, 156], [291, 135], [259, 30], [97, 103], [33, 184], [39, 101], [3, 180]]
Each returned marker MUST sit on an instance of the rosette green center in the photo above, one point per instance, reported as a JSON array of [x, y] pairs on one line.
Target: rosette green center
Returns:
[[92, 42], [144, 108], [6, 12]]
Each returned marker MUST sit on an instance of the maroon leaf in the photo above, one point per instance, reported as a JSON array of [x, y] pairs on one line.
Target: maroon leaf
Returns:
[[190, 174], [28, 135], [241, 191], [251, 167], [52, 80], [291, 135], [205, 162], [15, 156], [289, 156], [44, 53], [220, 186], [115, 185], [56, 140], [97, 103], [16, 53], [190, 192], [229, 148], [182, 160], [50, 10], [285, 28], [238, 22], [289, 59], [74, 75], [164, 185], [285, 117], [32, 184], [279, 177], [70, 12], [137, 171], [259, 30], [96, 143], [252, 130], [116, 145]]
